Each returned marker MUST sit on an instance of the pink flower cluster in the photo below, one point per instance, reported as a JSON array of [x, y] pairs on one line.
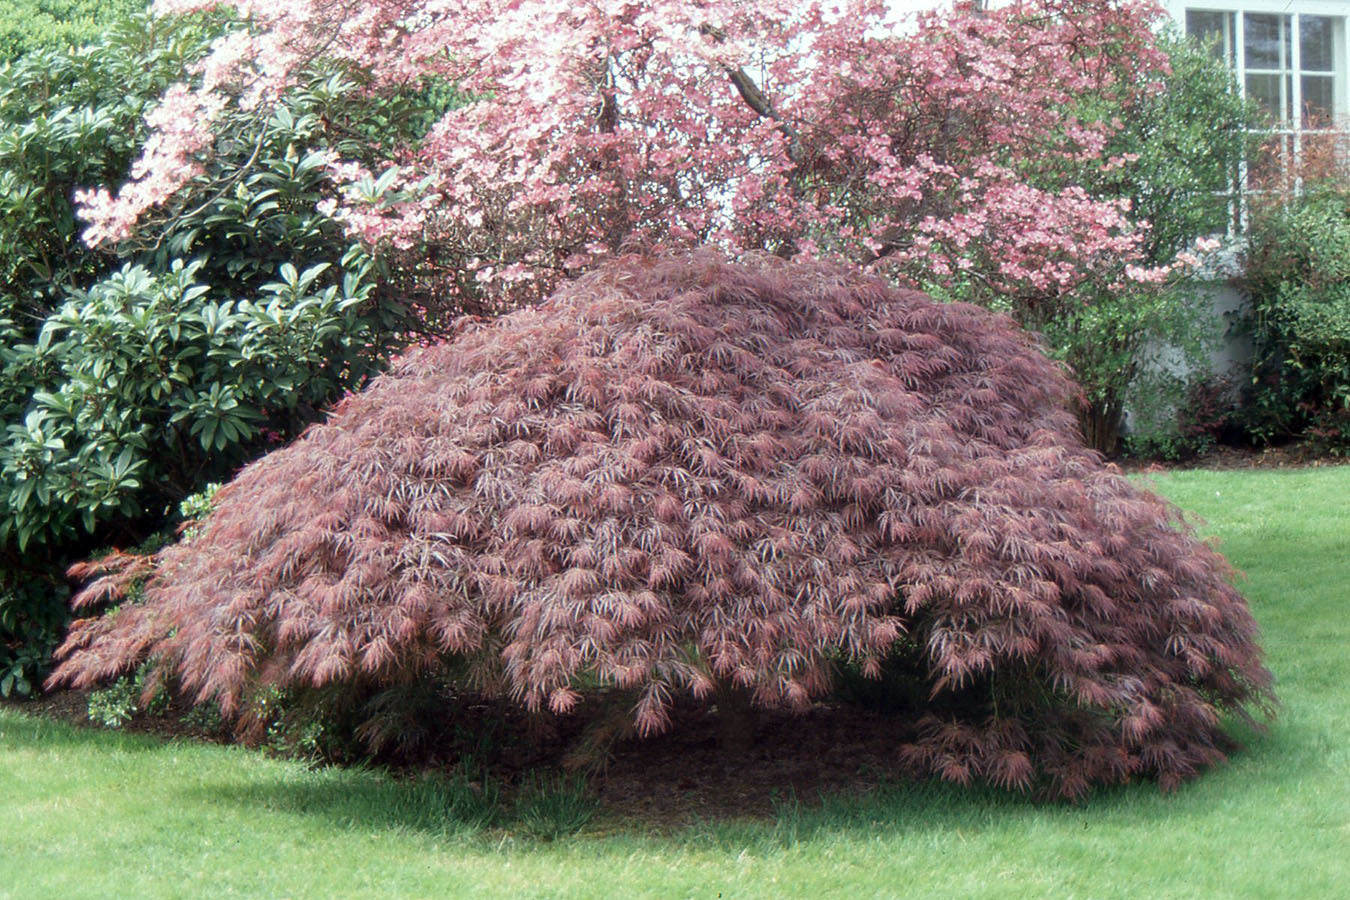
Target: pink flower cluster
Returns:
[[787, 125], [180, 128]]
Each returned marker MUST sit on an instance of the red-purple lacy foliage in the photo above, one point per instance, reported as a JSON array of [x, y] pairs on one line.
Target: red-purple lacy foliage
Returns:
[[679, 472]]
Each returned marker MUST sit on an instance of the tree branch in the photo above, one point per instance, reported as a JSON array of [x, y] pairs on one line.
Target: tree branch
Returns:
[[756, 99]]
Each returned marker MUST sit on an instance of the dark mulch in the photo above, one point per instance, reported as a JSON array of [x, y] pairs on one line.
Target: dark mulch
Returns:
[[684, 775], [64, 706], [1292, 456]]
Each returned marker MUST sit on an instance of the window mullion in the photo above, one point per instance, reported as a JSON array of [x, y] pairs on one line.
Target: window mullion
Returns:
[[1296, 82], [1240, 67], [1286, 80], [1239, 20]]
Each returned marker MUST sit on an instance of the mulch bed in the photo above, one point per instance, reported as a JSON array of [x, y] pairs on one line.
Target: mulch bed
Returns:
[[1293, 456], [684, 775]]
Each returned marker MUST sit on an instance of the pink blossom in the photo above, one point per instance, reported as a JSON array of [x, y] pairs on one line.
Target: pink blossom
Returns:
[[180, 130], [785, 125]]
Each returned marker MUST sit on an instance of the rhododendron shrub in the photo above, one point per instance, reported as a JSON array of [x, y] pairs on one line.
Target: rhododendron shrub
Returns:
[[35, 25], [128, 380], [692, 478], [125, 384]]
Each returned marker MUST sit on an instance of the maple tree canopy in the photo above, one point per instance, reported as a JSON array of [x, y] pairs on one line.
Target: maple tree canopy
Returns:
[[680, 473]]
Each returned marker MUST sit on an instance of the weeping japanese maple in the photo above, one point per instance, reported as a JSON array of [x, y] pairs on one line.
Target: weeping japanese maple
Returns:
[[691, 476]]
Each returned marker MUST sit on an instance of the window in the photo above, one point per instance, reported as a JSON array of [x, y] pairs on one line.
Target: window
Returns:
[[1290, 57], [1292, 64]]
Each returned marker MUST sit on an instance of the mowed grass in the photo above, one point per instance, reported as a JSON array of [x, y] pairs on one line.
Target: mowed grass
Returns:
[[96, 814]]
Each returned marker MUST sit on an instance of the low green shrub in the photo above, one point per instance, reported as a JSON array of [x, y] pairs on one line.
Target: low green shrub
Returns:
[[113, 706], [1298, 274], [205, 717], [1207, 414]]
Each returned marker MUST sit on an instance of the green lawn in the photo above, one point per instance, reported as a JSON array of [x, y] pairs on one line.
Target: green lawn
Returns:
[[86, 813]]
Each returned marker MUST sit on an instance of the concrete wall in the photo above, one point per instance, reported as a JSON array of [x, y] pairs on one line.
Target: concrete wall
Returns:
[[1228, 304], [1230, 358]]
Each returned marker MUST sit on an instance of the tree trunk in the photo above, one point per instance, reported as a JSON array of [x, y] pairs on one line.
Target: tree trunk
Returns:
[[1101, 424]]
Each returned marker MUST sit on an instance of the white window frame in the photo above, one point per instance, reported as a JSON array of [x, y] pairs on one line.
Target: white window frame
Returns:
[[1294, 9], [1290, 130]]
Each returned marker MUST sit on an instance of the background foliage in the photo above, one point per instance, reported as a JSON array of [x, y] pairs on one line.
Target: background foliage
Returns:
[[129, 376], [69, 118], [1047, 157], [1298, 275], [1141, 349], [29, 25]]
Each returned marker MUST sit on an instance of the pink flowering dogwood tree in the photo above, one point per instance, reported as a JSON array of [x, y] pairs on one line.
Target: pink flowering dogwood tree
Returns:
[[930, 151]]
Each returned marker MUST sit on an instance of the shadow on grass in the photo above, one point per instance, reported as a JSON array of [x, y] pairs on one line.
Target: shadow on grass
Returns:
[[369, 800], [365, 799], [437, 805], [940, 810], [1264, 765], [441, 805]]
